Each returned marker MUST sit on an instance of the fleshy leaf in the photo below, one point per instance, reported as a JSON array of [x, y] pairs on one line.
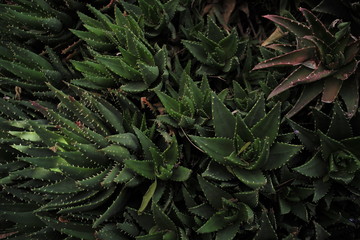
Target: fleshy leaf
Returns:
[[266, 230], [269, 125], [352, 144], [252, 178], [65, 186], [116, 206], [293, 26], [196, 50], [224, 121], [144, 168], [228, 232], [329, 145], [321, 233], [145, 142], [216, 148], [339, 119], [293, 58], [118, 153], [213, 193], [309, 93], [315, 167], [127, 140], [251, 198], [317, 27], [242, 130], [321, 188], [180, 174], [256, 113], [162, 220], [350, 94], [296, 76], [78, 230], [147, 197], [332, 87], [280, 153], [215, 223], [306, 136]]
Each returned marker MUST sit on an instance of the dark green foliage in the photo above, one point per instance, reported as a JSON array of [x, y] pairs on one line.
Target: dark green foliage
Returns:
[[216, 51], [143, 120]]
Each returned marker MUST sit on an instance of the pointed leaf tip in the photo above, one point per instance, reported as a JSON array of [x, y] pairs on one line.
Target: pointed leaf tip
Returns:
[[293, 58], [297, 28]]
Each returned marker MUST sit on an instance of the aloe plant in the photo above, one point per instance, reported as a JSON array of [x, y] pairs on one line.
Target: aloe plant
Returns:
[[339, 158], [155, 14], [242, 153], [25, 69], [134, 139], [349, 11], [135, 67], [189, 108], [325, 61], [334, 160], [83, 158], [246, 145], [40, 20], [217, 52]]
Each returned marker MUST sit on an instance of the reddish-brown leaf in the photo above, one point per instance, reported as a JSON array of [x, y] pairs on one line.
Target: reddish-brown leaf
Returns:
[[351, 51], [281, 47], [296, 76], [317, 27], [318, 73], [346, 71], [293, 58], [331, 89], [293, 26]]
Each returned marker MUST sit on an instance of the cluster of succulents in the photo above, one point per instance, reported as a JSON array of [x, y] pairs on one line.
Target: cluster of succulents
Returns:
[[143, 120], [325, 61]]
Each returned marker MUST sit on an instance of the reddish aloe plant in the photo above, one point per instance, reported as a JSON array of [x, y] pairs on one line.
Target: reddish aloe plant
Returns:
[[325, 60]]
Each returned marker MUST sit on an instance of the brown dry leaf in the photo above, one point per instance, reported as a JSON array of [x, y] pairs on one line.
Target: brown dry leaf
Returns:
[[229, 6], [277, 34], [54, 148], [244, 7], [207, 9], [17, 92]]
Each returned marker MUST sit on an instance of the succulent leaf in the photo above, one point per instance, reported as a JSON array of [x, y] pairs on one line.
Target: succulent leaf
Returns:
[[157, 98], [215, 223], [213, 194], [315, 167], [280, 154], [317, 27], [142, 167], [310, 92], [321, 233], [224, 121], [117, 205], [266, 229], [293, 58], [252, 178], [293, 26], [332, 87], [162, 220], [256, 113]]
